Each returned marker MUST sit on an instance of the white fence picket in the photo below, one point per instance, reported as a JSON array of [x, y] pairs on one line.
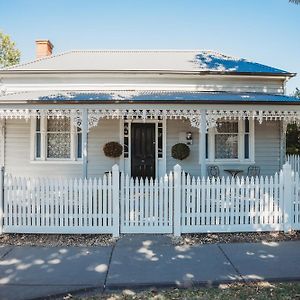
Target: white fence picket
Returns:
[[294, 161], [146, 205], [233, 205], [44, 205]]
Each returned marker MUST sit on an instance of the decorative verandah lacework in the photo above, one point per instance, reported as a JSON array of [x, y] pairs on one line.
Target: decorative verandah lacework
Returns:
[[194, 115]]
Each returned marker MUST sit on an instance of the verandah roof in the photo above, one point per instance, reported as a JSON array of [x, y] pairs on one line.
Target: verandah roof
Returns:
[[131, 96]]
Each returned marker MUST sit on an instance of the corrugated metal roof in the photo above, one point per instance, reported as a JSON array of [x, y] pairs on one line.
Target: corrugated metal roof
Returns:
[[146, 60], [149, 96]]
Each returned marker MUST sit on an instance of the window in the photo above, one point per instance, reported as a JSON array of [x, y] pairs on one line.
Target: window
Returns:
[[38, 138], [246, 140], [56, 139], [160, 140], [226, 140], [126, 139], [79, 143], [231, 140]]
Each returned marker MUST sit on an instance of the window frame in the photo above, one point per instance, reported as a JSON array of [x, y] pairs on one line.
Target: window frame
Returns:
[[43, 144], [212, 132]]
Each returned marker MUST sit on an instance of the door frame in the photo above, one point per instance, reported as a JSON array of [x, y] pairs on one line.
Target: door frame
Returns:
[[160, 163]]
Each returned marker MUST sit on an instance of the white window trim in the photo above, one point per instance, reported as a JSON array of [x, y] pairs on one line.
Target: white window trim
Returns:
[[241, 145], [43, 159]]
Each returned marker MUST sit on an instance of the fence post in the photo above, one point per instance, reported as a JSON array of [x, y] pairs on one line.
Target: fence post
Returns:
[[288, 183], [116, 200], [177, 201], [1, 199]]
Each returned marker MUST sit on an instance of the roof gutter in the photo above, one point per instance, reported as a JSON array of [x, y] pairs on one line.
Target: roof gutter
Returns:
[[131, 102], [134, 71]]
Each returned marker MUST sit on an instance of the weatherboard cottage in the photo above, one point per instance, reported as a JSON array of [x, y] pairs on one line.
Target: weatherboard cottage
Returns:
[[60, 112]]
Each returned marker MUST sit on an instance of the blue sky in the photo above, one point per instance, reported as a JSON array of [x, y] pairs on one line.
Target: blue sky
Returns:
[[266, 31]]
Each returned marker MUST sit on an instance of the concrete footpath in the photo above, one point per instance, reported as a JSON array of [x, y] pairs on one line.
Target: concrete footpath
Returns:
[[139, 261]]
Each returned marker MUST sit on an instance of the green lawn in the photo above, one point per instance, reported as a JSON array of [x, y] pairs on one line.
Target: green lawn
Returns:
[[253, 291]]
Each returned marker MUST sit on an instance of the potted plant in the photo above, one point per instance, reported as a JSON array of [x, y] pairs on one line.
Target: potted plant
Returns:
[[180, 151], [113, 149]]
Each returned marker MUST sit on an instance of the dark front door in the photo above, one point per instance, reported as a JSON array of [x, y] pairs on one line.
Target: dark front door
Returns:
[[142, 150]]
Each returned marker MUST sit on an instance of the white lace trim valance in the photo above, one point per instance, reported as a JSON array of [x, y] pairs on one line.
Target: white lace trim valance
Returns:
[[212, 116]]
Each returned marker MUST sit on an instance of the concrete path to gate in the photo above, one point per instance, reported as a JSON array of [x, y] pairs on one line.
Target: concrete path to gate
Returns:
[[140, 261]]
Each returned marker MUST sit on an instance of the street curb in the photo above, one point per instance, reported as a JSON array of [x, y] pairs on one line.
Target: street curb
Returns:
[[215, 283], [158, 286]]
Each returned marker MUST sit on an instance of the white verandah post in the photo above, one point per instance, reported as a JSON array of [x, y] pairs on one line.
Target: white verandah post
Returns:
[[1, 198], [84, 142], [202, 143]]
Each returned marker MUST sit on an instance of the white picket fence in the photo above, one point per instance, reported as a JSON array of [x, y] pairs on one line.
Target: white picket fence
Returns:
[[232, 204], [146, 205], [43, 205], [176, 203], [294, 161]]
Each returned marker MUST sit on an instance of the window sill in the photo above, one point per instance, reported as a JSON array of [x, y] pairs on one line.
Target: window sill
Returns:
[[58, 162]]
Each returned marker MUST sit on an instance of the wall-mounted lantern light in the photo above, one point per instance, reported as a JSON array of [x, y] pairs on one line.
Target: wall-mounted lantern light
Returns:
[[189, 138]]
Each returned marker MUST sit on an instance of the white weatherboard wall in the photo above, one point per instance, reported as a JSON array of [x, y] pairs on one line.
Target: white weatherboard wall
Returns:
[[145, 81], [176, 132], [17, 150], [17, 155], [267, 147], [106, 131]]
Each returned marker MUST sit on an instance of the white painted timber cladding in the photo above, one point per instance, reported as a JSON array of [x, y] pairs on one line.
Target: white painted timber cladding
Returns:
[[267, 147], [176, 133], [106, 131], [144, 82], [17, 149], [17, 159]]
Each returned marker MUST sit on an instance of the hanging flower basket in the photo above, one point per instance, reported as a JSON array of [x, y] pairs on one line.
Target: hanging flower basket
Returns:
[[113, 149], [180, 151]]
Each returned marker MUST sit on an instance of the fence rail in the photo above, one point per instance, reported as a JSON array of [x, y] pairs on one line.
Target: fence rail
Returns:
[[176, 203]]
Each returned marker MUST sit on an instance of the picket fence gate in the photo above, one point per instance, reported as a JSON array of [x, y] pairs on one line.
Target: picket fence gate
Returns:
[[176, 203]]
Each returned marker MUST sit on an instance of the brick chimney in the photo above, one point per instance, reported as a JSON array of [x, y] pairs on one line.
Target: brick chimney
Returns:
[[43, 48]]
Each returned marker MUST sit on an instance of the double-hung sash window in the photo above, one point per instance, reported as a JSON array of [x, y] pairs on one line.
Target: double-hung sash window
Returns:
[[231, 141], [56, 139], [226, 140]]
